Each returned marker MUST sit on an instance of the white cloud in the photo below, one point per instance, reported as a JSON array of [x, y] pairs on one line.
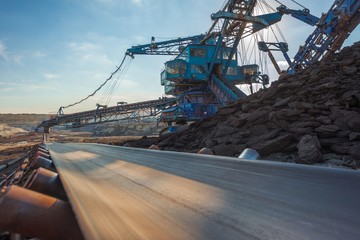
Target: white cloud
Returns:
[[50, 76], [17, 58], [107, 2], [85, 53], [40, 54], [22, 86], [137, 2], [101, 58], [83, 47], [3, 52], [8, 57], [6, 89], [140, 39], [112, 3], [125, 83], [283, 65]]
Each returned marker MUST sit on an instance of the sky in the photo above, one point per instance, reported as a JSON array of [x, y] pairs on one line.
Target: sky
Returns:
[[56, 52]]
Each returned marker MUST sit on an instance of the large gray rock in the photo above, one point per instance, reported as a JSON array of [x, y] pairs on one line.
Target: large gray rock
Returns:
[[324, 120], [346, 62], [258, 130], [350, 98], [287, 113], [274, 145], [208, 123], [300, 131], [258, 115], [226, 110], [228, 149], [264, 137], [224, 130], [354, 136], [340, 148], [301, 105], [241, 136], [350, 70], [235, 122], [304, 124], [352, 120], [327, 130], [289, 85], [309, 150], [210, 143], [282, 102], [249, 106], [346, 119]]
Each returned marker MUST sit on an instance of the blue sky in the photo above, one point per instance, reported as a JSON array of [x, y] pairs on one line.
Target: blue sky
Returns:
[[54, 52]]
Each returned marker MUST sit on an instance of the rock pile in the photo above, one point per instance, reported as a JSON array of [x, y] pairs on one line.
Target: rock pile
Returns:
[[130, 129], [310, 117], [7, 131]]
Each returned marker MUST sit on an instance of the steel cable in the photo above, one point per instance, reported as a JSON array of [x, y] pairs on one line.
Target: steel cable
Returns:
[[108, 79], [116, 83]]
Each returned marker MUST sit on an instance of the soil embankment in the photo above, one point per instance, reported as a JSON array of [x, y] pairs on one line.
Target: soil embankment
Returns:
[[28, 122]]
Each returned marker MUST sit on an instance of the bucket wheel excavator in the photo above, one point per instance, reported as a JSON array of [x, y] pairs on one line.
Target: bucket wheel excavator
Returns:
[[204, 74]]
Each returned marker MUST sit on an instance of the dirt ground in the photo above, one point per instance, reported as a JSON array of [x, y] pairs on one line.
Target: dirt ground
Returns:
[[15, 147], [19, 145]]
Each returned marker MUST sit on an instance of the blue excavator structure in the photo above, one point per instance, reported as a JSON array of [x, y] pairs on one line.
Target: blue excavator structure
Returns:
[[205, 71]]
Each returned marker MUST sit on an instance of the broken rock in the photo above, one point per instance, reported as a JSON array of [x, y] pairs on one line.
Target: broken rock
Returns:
[[309, 150], [274, 145]]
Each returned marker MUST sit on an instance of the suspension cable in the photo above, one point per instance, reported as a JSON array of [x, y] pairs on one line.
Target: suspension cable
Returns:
[[108, 79], [268, 6], [279, 2], [299, 4], [117, 82], [269, 9]]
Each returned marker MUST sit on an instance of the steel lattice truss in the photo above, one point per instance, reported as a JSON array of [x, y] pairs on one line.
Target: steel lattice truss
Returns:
[[331, 31], [110, 114]]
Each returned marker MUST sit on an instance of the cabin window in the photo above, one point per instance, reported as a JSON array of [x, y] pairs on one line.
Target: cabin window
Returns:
[[226, 55], [197, 52], [232, 71], [184, 55], [198, 69], [175, 67], [251, 70]]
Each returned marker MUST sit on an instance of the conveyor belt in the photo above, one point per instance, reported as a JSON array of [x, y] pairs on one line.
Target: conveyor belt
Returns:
[[126, 193], [109, 114]]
